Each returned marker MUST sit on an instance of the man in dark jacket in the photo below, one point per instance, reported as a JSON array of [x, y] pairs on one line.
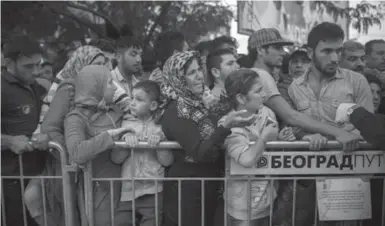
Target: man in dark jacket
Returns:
[[371, 126]]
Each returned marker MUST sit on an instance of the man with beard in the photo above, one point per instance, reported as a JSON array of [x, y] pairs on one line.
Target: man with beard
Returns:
[[258, 46], [353, 56], [320, 91], [129, 60]]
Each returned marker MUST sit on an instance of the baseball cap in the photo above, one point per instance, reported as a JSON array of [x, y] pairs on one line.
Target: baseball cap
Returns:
[[298, 51], [266, 36]]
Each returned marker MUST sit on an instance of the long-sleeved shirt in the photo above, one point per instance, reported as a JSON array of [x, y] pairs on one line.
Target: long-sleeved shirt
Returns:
[[371, 126], [200, 150]]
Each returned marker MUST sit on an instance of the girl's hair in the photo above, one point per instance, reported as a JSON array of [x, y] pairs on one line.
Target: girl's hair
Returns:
[[239, 82]]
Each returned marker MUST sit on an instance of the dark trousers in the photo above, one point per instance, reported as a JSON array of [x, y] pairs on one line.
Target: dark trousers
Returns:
[[13, 204]]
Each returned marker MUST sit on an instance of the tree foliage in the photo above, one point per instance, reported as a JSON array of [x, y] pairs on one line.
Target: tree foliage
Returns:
[[361, 17], [65, 21]]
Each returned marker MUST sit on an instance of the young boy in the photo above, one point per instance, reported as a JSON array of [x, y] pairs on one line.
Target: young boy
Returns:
[[144, 163], [246, 145]]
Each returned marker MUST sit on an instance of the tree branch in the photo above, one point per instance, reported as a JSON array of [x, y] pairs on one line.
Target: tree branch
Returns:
[[105, 17], [163, 12], [75, 18]]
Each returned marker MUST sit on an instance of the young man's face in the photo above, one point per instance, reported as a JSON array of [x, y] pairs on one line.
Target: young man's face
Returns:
[[298, 65], [326, 56], [353, 60], [228, 65], [273, 55], [131, 60], [26, 68], [376, 59]]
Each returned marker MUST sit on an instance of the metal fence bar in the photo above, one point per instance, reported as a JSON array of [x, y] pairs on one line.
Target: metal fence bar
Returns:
[[294, 201], [89, 196], [44, 201], [22, 188], [112, 203], [156, 203], [133, 186], [3, 205], [179, 203], [68, 196], [383, 203], [202, 202], [269, 145]]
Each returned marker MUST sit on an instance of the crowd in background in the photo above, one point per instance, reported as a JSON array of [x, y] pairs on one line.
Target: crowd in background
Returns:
[[212, 101]]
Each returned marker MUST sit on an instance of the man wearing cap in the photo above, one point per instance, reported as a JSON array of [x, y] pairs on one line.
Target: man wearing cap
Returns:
[[353, 56], [298, 64], [281, 107], [20, 108]]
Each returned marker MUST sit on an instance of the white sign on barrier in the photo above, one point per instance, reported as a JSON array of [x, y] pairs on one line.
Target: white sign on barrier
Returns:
[[344, 199], [313, 163]]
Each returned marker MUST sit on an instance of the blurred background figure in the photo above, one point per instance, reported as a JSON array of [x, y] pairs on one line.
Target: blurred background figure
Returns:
[[353, 56]]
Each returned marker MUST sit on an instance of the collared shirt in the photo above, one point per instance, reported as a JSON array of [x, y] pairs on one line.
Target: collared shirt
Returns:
[[122, 82], [345, 87], [20, 106], [20, 110]]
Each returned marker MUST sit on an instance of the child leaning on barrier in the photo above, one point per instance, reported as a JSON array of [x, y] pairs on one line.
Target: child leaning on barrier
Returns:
[[145, 163], [245, 146]]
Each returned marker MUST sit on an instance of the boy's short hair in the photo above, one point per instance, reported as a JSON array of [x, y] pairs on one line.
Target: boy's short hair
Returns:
[[151, 88], [325, 31], [214, 60], [21, 45], [219, 41], [239, 82], [126, 42], [369, 45], [104, 44]]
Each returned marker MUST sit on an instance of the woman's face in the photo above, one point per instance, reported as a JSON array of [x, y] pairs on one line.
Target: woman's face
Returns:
[[194, 77], [109, 92]]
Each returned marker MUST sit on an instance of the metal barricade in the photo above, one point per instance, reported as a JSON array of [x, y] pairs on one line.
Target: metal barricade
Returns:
[[352, 166], [67, 184]]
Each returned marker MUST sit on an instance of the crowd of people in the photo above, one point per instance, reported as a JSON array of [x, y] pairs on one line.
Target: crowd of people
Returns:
[[211, 100]]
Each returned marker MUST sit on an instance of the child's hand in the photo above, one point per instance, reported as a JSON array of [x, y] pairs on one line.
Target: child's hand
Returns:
[[286, 134], [131, 140], [270, 132], [153, 140], [317, 141]]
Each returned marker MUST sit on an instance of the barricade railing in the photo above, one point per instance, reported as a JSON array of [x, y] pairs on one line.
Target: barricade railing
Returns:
[[283, 161], [67, 184]]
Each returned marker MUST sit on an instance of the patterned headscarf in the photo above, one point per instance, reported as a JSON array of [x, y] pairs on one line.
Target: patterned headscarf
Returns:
[[189, 105], [82, 57]]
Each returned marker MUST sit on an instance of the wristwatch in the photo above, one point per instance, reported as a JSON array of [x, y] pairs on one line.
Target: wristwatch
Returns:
[[351, 109]]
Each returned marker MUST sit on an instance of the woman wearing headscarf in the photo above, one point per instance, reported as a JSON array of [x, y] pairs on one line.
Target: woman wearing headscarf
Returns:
[[186, 120], [56, 105], [91, 128]]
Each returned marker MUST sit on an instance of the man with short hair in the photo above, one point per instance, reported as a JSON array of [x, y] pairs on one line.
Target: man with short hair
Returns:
[[219, 65], [225, 42], [258, 43], [353, 56], [375, 57], [325, 86], [129, 59], [21, 99]]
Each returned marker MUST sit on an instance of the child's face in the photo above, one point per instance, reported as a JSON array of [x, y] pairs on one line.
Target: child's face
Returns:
[[110, 90], [141, 104], [253, 100]]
